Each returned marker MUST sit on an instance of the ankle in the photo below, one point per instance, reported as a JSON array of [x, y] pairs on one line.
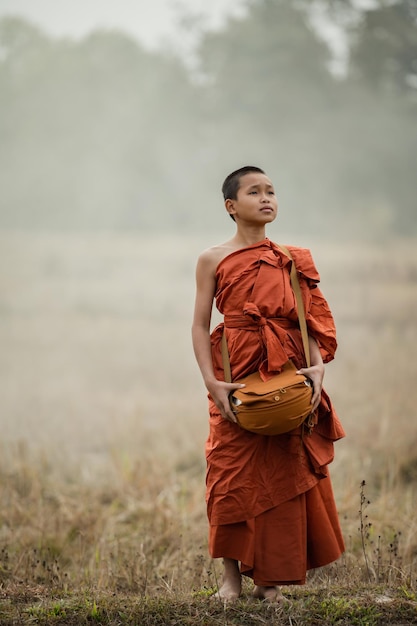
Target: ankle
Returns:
[[231, 569]]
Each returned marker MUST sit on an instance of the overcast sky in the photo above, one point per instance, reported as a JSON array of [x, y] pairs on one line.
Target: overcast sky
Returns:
[[155, 23]]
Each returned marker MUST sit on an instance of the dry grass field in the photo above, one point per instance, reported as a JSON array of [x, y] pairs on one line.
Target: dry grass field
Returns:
[[103, 421]]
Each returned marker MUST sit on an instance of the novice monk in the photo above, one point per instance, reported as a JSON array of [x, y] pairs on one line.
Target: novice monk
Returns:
[[270, 503]]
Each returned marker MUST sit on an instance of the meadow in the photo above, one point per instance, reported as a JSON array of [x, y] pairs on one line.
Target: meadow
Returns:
[[103, 420]]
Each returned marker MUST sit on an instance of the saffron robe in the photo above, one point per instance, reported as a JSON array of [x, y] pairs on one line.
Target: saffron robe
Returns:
[[269, 499]]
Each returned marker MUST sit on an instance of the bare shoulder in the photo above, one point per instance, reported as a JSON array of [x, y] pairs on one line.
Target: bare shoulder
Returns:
[[211, 257]]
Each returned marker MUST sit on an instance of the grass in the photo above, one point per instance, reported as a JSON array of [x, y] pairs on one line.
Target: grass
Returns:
[[102, 517], [135, 553], [371, 608]]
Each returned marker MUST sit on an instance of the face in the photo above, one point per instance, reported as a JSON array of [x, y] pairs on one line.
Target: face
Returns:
[[256, 201]]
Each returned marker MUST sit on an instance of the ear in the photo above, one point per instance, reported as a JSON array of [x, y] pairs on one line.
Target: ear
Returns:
[[230, 206]]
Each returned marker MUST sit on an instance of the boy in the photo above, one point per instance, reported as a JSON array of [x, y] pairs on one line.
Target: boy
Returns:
[[270, 503]]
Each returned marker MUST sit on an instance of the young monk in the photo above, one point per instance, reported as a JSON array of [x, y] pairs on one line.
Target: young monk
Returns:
[[270, 503]]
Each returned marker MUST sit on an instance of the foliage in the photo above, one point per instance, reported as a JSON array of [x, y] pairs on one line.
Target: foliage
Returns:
[[85, 139], [100, 134], [385, 51]]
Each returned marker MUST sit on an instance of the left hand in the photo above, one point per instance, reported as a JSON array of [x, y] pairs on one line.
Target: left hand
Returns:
[[316, 374]]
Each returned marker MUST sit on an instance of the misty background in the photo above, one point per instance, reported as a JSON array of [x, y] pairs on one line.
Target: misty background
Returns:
[[114, 143], [118, 124], [103, 132]]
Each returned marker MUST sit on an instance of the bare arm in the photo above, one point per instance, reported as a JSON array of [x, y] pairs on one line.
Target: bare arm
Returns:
[[315, 372], [206, 284]]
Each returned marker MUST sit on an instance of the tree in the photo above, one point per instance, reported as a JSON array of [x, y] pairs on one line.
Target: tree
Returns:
[[382, 89], [384, 53], [93, 132], [268, 96], [341, 154]]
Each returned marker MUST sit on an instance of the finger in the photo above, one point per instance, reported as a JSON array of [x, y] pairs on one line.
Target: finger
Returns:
[[228, 414], [234, 386], [232, 414], [230, 417], [315, 400]]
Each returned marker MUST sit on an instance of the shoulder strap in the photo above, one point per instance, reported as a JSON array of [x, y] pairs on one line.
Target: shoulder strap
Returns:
[[300, 304], [301, 320], [226, 359]]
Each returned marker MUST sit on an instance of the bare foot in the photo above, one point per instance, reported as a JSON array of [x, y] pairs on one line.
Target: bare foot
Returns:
[[229, 591], [232, 583], [269, 594]]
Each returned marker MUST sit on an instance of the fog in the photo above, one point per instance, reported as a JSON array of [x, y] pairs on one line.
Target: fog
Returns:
[[100, 133], [112, 157]]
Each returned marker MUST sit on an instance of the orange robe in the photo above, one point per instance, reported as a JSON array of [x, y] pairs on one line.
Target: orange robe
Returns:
[[269, 499]]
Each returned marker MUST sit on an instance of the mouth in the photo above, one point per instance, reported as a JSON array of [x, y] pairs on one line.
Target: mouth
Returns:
[[267, 208]]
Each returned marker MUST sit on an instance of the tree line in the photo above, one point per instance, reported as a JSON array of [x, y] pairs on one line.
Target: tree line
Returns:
[[99, 133]]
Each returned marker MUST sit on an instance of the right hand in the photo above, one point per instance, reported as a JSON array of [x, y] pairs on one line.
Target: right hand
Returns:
[[220, 392]]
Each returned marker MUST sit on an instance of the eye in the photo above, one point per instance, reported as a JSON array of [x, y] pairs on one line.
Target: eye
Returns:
[[253, 192], [271, 193]]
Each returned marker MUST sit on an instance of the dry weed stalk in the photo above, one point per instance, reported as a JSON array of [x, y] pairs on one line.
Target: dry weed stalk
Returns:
[[364, 527]]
